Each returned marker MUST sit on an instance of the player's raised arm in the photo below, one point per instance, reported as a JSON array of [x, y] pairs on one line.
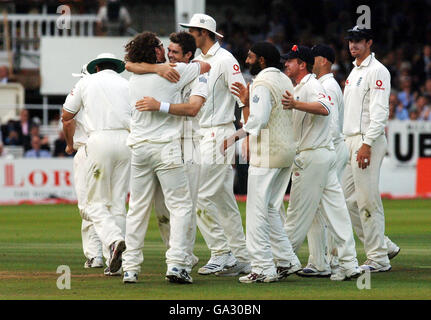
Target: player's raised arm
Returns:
[[165, 70]]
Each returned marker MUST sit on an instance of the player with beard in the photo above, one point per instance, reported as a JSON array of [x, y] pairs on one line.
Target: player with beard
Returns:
[[271, 158]]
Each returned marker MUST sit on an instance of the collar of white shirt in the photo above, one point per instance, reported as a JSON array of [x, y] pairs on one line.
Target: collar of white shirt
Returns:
[[304, 80], [326, 76], [212, 51], [366, 62]]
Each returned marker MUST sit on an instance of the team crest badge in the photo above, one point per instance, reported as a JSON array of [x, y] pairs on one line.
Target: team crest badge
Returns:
[[256, 99]]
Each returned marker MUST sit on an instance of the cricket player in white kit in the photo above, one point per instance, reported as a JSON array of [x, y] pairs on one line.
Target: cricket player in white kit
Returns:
[[271, 159], [181, 49], [321, 243], [314, 179], [103, 97], [155, 140], [366, 102], [91, 244], [218, 216]]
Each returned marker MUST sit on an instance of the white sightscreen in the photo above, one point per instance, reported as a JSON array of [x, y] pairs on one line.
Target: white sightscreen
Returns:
[[60, 57]]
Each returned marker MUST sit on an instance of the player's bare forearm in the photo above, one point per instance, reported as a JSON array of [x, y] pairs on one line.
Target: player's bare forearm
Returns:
[[140, 68], [205, 67], [245, 113], [69, 131], [164, 70], [189, 109], [289, 102], [311, 107]]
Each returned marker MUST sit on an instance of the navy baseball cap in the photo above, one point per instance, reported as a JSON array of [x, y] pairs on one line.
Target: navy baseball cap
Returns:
[[357, 33], [300, 52], [322, 50]]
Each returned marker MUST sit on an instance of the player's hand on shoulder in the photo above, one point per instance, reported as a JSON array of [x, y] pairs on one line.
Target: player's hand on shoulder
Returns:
[[168, 72], [147, 104], [288, 101], [241, 91]]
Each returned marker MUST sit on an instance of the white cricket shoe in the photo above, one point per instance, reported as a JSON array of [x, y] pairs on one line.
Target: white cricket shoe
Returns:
[[346, 274], [254, 277], [88, 263], [311, 271], [284, 272], [218, 263], [236, 270], [96, 262], [178, 275], [117, 248], [374, 266], [108, 273], [130, 277]]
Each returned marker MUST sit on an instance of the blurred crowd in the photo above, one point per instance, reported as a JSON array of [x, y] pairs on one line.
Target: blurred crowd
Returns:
[[402, 42], [25, 133]]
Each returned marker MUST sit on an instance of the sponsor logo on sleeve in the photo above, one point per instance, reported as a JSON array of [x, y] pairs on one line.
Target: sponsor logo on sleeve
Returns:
[[379, 85]]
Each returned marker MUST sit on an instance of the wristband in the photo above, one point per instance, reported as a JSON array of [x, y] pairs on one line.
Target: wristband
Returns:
[[164, 107]]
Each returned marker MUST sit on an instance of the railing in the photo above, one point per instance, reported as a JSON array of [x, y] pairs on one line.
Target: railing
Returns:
[[25, 30]]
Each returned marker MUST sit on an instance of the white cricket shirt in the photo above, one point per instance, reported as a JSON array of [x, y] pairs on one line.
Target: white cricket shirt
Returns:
[[219, 108], [261, 103], [104, 100], [81, 134], [366, 100], [335, 97], [198, 87], [311, 131], [158, 127]]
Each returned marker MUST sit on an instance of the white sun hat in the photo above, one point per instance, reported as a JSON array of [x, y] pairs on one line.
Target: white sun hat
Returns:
[[200, 20]]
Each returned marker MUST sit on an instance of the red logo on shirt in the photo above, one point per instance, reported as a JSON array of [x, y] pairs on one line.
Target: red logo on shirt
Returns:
[[347, 81], [379, 84], [236, 68], [321, 96]]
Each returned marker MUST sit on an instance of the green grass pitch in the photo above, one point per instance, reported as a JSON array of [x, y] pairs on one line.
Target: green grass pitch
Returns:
[[35, 240]]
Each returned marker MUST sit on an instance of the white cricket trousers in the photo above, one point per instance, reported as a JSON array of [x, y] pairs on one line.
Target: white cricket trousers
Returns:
[[321, 244], [315, 185], [191, 157], [108, 175], [218, 216], [361, 189], [267, 241], [91, 244], [162, 162]]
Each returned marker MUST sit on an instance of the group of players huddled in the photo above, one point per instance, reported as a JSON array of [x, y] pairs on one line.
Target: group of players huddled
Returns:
[[167, 137]]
